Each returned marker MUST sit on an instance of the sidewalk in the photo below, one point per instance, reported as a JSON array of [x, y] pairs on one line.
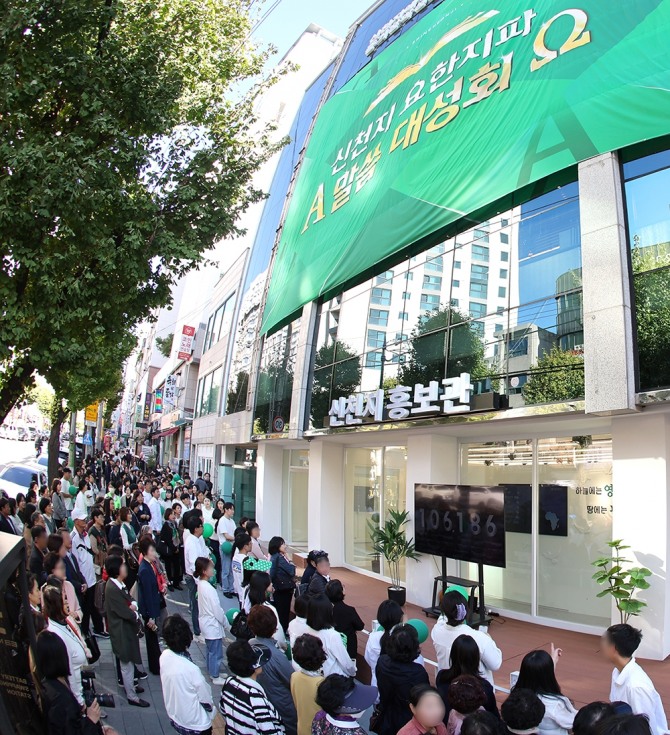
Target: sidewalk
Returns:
[[584, 676]]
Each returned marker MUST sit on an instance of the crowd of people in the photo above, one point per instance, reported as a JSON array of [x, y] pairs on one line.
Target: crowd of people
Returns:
[[108, 543]]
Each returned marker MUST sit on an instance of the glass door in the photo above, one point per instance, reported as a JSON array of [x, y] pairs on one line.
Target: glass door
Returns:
[[295, 497]]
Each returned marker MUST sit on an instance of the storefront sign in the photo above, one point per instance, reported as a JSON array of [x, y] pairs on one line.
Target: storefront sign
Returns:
[[91, 414], [186, 342], [158, 400], [456, 114], [147, 406], [170, 394], [449, 396]]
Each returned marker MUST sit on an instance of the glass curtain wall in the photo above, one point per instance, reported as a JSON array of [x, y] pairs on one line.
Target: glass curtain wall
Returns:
[[375, 483], [558, 512], [647, 185], [502, 301]]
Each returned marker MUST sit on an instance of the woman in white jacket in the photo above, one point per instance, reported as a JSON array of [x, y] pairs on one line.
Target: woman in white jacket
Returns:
[[538, 673], [214, 625], [451, 624], [320, 624]]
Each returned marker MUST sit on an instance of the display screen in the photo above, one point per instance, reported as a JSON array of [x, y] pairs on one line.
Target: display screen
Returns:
[[465, 522]]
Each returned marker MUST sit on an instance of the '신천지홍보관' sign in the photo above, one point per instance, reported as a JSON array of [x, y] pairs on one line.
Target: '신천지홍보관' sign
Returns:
[[463, 109], [445, 397]]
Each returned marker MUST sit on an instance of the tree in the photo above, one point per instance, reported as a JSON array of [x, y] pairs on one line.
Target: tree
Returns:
[[337, 372], [164, 344], [122, 161], [557, 376], [42, 396], [435, 352]]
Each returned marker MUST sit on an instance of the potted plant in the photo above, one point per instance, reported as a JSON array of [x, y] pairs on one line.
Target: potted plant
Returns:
[[622, 583], [390, 541]]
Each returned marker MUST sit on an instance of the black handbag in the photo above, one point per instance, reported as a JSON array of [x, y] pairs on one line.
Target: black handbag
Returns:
[[240, 628], [92, 644]]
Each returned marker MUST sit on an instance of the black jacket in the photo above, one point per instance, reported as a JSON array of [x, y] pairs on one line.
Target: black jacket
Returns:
[[442, 684], [317, 585], [36, 565], [394, 681], [63, 712], [346, 620], [6, 526]]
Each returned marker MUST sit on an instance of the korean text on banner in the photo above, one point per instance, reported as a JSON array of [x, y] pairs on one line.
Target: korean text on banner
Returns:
[[186, 342]]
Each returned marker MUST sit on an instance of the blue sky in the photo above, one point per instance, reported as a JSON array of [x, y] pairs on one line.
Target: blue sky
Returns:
[[291, 17]]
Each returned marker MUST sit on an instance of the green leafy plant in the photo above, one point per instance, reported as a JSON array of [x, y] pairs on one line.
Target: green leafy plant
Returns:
[[390, 540], [622, 583]]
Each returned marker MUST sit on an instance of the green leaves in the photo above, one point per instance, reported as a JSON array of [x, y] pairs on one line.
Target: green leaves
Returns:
[[390, 540], [557, 376], [621, 583]]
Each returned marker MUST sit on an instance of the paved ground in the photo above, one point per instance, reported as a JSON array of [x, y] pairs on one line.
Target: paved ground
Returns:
[[152, 720]]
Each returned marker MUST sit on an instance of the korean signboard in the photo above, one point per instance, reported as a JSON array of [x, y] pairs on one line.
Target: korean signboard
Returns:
[[445, 397], [147, 407], [170, 391], [470, 104], [91, 414], [158, 400], [186, 342]]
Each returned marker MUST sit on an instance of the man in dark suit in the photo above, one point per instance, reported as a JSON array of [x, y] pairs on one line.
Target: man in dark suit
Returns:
[[36, 564], [6, 523], [72, 570]]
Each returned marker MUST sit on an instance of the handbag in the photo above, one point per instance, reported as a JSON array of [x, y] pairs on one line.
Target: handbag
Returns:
[[240, 628], [140, 628], [92, 645], [375, 719]]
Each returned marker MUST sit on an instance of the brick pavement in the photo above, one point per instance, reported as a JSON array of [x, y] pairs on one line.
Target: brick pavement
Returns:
[[151, 720]]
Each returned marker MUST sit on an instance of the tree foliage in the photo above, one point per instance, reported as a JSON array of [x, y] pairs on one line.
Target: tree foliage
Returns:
[[122, 161], [436, 352], [164, 344], [337, 372], [43, 397], [557, 376]]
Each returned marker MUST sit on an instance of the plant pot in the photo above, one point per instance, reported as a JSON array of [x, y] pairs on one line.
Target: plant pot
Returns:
[[398, 594]]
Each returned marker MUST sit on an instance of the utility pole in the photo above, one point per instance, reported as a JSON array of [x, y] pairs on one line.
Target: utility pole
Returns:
[[99, 425], [73, 440]]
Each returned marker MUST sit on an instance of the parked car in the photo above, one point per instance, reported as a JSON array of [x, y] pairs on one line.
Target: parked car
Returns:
[[10, 432], [15, 478], [22, 433]]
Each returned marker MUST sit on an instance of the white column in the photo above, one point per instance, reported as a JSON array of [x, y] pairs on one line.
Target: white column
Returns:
[[326, 499], [269, 476], [433, 459], [640, 478]]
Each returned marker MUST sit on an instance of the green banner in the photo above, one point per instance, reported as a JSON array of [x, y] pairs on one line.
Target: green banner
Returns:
[[457, 113]]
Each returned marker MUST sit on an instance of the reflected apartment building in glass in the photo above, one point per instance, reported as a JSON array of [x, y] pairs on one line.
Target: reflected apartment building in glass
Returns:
[[556, 304]]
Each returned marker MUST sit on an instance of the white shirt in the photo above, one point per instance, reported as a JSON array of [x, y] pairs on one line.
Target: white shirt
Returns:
[[76, 655], [225, 526], [84, 556], [444, 635], [184, 688], [338, 661], [146, 497], [559, 715], [296, 628], [80, 503], [633, 686], [238, 572], [213, 622], [156, 509], [193, 548], [207, 515]]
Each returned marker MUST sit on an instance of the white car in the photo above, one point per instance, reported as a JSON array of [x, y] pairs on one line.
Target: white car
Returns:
[[16, 478]]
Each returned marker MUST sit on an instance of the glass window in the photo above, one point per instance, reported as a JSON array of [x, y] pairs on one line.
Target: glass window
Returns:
[[498, 328], [385, 277], [504, 238], [432, 283], [479, 273], [375, 482], [480, 252], [376, 338], [478, 290], [380, 317], [436, 265], [373, 360], [503, 272], [403, 316], [481, 235], [504, 222], [215, 391], [649, 238], [295, 498], [502, 292], [478, 328], [406, 295], [409, 276], [455, 284], [518, 347], [454, 302], [457, 264], [504, 256], [477, 309], [381, 297], [430, 302]]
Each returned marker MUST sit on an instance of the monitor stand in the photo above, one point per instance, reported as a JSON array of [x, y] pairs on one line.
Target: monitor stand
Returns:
[[476, 616]]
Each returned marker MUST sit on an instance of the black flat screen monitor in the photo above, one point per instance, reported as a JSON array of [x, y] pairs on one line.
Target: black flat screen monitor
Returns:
[[465, 522]]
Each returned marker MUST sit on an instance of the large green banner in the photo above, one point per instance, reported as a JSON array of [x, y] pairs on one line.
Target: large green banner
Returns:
[[460, 111]]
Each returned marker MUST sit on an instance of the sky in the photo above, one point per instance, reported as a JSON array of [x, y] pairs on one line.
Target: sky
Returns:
[[290, 18]]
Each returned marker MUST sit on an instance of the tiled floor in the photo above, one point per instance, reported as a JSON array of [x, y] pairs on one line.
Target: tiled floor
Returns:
[[583, 675]]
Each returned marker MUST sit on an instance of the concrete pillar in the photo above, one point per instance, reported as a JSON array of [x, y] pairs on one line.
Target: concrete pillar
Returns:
[[301, 385], [432, 459], [326, 499], [640, 479], [609, 365], [269, 475]]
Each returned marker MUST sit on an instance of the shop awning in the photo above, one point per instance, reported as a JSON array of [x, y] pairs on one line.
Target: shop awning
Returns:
[[167, 432]]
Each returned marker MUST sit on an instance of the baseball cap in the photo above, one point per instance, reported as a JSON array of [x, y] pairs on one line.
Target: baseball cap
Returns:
[[79, 515], [359, 699], [262, 654]]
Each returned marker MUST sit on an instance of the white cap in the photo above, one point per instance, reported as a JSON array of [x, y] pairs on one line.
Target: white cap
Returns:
[[79, 515]]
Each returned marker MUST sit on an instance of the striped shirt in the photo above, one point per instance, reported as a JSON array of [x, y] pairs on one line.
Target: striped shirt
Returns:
[[247, 710]]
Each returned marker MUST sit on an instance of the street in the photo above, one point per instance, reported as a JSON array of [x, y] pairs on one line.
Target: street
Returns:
[[15, 451]]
